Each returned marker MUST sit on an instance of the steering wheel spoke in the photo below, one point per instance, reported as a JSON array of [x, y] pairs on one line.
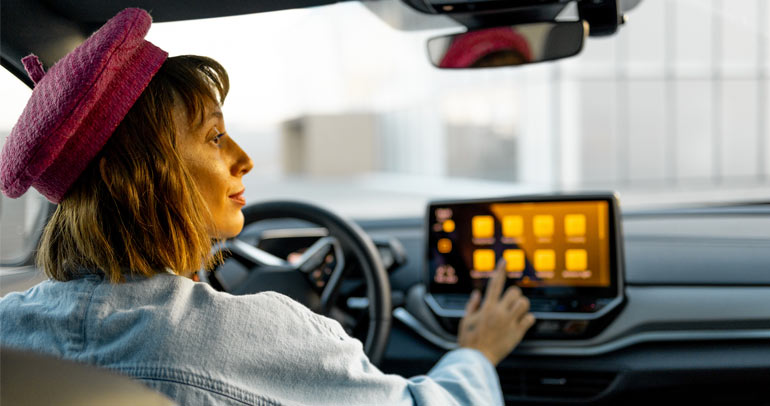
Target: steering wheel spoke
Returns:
[[318, 254], [253, 257], [335, 266]]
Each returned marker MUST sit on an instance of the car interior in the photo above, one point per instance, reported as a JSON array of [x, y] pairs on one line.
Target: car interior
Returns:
[[635, 303]]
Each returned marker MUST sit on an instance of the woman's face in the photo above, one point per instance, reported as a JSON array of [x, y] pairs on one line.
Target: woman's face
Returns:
[[217, 164]]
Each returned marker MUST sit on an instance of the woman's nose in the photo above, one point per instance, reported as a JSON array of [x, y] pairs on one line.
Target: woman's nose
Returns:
[[242, 164]]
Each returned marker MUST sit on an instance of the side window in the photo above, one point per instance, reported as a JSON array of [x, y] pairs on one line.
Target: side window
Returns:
[[22, 219]]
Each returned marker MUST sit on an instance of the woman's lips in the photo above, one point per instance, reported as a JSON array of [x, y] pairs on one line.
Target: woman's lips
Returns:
[[238, 198]]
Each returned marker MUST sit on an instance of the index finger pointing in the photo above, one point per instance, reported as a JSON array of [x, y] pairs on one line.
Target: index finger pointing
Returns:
[[473, 302], [496, 284]]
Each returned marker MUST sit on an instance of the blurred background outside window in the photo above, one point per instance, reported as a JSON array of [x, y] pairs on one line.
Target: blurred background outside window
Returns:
[[336, 106]]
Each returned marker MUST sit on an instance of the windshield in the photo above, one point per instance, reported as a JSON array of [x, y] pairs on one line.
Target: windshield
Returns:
[[337, 107]]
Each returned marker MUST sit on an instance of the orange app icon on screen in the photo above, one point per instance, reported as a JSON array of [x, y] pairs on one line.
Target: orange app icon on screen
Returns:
[[513, 226], [543, 225], [545, 260], [577, 260], [575, 225], [483, 226], [484, 260], [514, 260], [444, 245]]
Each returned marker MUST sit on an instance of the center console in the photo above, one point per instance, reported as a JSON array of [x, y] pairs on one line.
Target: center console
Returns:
[[565, 252]]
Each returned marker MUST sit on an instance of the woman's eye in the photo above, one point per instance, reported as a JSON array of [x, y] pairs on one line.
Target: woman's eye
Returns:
[[217, 137]]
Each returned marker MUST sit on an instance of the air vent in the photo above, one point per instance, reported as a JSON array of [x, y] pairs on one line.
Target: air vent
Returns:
[[554, 384]]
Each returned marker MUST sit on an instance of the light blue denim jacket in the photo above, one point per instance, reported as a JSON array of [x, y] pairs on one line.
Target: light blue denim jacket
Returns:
[[200, 346]]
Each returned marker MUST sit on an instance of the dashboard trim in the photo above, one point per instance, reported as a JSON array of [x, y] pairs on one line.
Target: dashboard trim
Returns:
[[646, 337], [457, 313], [418, 327], [541, 348]]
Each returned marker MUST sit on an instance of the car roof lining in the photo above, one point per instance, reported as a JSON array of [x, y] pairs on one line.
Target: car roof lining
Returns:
[[52, 28]]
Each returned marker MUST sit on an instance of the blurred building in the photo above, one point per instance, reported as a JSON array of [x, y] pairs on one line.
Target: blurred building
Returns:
[[679, 96], [330, 145]]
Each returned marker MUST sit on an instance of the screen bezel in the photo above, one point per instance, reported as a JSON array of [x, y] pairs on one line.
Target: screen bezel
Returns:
[[613, 294]]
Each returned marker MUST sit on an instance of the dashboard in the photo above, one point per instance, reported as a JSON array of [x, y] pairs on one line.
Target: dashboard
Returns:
[[694, 324]]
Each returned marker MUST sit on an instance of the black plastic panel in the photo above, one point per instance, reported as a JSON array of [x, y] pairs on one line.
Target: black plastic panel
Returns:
[[698, 250]]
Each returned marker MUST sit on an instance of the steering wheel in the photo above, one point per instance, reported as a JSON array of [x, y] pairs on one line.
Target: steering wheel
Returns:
[[314, 279]]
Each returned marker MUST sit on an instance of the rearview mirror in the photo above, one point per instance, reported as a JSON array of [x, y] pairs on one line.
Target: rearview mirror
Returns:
[[508, 45]]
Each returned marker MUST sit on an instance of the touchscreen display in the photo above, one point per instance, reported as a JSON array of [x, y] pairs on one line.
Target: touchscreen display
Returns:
[[565, 243]]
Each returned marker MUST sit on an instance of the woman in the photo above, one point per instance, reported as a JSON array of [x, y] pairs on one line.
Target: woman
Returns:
[[133, 147]]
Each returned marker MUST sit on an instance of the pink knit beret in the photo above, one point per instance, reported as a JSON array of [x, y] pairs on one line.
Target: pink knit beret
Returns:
[[76, 106]]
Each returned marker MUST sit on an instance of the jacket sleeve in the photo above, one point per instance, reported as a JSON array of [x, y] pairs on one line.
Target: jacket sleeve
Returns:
[[334, 370], [465, 375]]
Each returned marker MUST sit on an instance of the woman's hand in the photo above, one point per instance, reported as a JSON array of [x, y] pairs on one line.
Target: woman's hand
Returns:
[[498, 325]]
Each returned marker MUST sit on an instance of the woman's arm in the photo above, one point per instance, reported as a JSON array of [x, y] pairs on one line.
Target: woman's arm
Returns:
[[331, 368]]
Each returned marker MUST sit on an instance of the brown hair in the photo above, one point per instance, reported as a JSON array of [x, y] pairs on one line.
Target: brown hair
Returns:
[[136, 209]]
